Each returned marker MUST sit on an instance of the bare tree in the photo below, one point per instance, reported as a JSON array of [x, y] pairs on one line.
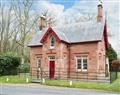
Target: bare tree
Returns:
[[7, 27], [26, 23], [17, 24]]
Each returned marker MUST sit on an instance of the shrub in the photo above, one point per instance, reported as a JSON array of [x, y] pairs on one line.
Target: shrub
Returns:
[[116, 65], [9, 65], [24, 68], [111, 53]]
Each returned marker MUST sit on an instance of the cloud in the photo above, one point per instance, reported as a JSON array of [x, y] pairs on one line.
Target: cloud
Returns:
[[82, 9], [54, 10], [112, 10], [113, 18]]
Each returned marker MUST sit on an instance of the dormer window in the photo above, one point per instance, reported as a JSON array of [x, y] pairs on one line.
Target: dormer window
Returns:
[[52, 42]]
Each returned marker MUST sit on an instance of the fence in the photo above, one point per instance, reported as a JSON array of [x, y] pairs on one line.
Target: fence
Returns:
[[113, 74], [23, 73], [70, 75]]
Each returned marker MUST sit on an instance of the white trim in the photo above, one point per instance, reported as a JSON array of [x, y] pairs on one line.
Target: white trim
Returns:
[[81, 63], [87, 63], [52, 47]]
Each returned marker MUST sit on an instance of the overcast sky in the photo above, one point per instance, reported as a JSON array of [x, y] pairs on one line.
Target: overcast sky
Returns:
[[71, 9]]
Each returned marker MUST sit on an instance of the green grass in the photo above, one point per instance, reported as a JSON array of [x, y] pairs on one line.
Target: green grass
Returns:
[[115, 86], [12, 79]]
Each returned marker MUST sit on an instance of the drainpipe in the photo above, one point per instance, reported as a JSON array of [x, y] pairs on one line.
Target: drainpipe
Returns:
[[69, 62]]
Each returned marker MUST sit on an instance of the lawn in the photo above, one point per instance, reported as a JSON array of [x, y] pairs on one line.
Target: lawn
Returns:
[[13, 79], [115, 86]]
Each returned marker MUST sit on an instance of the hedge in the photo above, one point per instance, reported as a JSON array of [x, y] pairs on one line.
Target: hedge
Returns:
[[9, 65]]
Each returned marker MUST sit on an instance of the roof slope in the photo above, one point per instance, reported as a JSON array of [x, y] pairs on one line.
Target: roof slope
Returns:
[[73, 33], [36, 39]]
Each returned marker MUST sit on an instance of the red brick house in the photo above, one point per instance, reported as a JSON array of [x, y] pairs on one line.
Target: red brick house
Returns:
[[78, 48]]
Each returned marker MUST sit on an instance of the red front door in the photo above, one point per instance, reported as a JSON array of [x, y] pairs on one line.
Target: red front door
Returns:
[[52, 69]]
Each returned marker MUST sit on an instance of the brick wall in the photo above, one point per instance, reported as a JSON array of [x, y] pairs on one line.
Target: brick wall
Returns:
[[95, 51]]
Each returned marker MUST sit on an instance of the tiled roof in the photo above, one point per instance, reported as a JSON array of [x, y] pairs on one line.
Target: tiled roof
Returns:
[[73, 33]]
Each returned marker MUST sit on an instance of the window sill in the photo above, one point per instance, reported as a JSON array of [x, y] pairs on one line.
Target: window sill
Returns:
[[52, 47], [82, 71]]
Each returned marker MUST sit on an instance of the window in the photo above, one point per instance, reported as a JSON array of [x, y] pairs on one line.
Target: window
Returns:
[[52, 42], [51, 57], [38, 62], [81, 63]]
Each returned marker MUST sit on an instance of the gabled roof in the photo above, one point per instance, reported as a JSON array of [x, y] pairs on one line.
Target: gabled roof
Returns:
[[50, 30], [81, 32], [74, 33], [36, 39]]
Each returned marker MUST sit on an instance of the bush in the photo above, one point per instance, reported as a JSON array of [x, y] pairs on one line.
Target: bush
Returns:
[[116, 65], [24, 68], [111, 53], [9, 65]]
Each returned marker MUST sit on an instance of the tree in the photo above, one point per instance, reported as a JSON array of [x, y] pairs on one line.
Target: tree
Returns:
[[26, 23], [8, 27], [111, 53], [18, 24]]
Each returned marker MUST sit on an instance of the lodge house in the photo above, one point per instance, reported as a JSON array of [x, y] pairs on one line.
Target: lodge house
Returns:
[[70, 50]]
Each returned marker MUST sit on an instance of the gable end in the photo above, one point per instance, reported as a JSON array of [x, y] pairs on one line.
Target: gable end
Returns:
[[50, 30]]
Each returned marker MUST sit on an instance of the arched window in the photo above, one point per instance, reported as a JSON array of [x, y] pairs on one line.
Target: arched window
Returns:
[[52, 42]]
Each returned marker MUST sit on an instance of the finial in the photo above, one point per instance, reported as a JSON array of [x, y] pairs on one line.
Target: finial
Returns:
[[100, 3], [42, 16]]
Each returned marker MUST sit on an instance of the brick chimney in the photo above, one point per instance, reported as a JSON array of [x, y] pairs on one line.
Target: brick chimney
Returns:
[[42, 23], [100, 11]]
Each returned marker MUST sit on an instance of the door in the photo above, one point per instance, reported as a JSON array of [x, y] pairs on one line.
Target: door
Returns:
[[52, 69]]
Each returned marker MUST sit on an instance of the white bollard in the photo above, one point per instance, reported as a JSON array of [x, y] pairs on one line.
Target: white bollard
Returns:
[[27, 80], [43, 80], [7, 79], [70, 83]]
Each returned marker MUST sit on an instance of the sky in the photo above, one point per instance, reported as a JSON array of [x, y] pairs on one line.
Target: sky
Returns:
[[67, 3], [72, 10]]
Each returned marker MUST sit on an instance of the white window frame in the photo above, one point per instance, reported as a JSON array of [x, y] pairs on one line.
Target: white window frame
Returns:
[[52, 47], [81, 63], [38, 62]]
